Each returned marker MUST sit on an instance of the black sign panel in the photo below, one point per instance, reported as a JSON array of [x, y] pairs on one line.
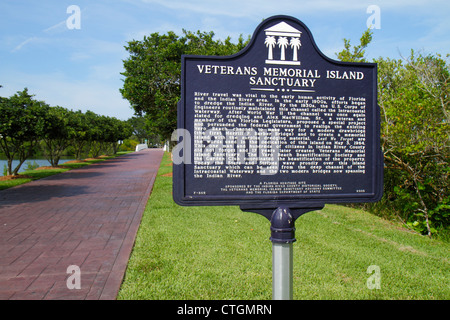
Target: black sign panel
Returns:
[[277, 124]]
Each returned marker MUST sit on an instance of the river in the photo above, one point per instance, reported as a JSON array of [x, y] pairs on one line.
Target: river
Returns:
[[40, 162]]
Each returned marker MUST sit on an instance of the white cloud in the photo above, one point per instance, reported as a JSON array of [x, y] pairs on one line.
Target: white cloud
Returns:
[[57, 28], [80, 56], [256, 8], [226, 8], [23, 43], [40, 39]]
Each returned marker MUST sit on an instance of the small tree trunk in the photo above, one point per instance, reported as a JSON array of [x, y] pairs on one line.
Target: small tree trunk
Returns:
[[17, 168], [10, 166], [425, 209]]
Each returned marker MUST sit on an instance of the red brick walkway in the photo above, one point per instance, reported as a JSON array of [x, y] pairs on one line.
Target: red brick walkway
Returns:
[[86, 217]]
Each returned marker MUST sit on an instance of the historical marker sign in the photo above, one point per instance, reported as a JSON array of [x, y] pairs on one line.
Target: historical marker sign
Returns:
[[277, 124]]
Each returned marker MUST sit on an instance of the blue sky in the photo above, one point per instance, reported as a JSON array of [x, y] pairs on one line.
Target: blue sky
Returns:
[[80, 68]]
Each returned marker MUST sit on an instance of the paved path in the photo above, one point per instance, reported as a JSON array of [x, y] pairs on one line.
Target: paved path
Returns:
[[86, 217]]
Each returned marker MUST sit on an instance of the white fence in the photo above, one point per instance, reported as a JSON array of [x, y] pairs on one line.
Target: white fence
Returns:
[[142, 146]]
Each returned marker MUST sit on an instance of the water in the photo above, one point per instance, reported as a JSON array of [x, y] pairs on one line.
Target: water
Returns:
[[40, 162]]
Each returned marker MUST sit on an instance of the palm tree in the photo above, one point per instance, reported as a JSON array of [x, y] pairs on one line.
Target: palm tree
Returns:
[[270, 42], [283, 43], [295, 44]]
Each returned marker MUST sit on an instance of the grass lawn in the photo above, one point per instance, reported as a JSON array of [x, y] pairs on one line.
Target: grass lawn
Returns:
[[40, 173], [223, 253]]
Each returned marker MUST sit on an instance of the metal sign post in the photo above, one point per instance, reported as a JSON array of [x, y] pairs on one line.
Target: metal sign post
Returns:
[[282, 271], [282, 228], [283, 236]]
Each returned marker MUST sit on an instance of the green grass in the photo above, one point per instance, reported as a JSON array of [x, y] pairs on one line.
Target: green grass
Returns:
[[32, 175], [28, 176], [223, 253]]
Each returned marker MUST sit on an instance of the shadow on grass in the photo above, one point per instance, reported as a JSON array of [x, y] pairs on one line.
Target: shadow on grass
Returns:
[[38, 174], [29, 176]]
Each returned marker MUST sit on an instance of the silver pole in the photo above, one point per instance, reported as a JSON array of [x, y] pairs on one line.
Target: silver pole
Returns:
[[282, 271], [282, 237]]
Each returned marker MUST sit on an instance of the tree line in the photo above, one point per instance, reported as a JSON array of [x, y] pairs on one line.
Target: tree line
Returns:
[[26, 124], [153, 70], [414, 101], [413, 96]]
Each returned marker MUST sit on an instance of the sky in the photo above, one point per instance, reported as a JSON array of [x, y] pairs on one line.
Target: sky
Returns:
[[74, 59]]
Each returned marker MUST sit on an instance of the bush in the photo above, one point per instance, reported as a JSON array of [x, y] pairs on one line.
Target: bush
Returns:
[[128, 145]]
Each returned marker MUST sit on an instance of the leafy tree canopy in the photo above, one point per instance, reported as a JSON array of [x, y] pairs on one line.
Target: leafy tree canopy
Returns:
[[153, 70], [22, 123], [414, 101]]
